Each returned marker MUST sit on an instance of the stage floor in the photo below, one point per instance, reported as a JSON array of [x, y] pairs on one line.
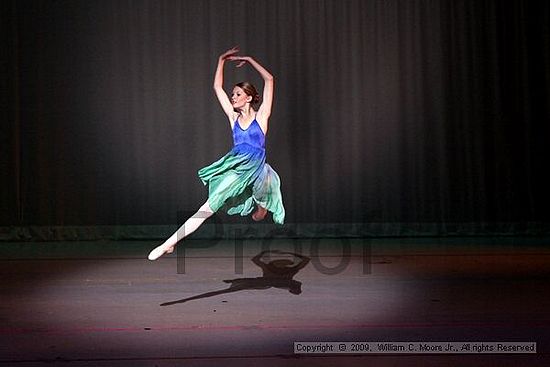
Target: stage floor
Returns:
[[99, 303]]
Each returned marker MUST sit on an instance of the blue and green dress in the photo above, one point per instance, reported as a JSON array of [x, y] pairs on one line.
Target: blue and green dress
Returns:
[[242, 178]]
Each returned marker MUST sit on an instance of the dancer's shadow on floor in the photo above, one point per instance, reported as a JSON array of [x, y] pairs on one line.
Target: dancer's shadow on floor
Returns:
[[276, 273]]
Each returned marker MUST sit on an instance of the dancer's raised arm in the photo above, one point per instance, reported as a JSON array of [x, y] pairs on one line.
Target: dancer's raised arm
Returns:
[[267, 99], [218, 84]]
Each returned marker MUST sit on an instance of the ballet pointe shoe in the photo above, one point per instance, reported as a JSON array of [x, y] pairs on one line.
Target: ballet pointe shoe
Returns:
[[159, 251], [259, 214]]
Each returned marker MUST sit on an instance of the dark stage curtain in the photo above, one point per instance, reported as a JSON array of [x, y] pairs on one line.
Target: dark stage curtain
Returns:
[[388, 112]]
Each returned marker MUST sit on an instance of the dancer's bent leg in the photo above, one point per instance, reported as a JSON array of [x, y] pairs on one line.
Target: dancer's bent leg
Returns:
[[259, 214], [185, 230]]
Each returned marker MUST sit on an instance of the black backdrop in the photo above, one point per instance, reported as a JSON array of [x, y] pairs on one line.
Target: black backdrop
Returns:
[[385, 111]]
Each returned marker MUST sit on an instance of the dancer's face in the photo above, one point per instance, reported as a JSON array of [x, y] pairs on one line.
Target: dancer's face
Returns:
[[239, 98]]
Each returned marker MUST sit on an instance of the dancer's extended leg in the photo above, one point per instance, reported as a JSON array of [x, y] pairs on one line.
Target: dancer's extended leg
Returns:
[[186, 229]]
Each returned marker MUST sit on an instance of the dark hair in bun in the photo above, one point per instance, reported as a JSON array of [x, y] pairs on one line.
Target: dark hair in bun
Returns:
[[250, 90]]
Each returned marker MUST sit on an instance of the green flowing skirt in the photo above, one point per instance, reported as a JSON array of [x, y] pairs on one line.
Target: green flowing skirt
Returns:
[[242, 179]]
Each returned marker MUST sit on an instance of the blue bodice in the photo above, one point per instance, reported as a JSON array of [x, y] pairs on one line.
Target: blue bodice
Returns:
[[252, 136]]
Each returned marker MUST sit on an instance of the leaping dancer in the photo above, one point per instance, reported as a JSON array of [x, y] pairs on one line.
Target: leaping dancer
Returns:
[[241, 180]]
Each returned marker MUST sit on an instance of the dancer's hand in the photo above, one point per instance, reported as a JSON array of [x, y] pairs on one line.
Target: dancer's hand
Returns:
[[243, 59], [228, 53]]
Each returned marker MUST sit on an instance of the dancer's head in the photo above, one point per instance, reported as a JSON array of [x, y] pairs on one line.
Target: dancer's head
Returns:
[[244, 93]]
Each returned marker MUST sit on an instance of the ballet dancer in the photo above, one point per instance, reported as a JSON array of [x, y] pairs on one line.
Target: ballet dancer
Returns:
[[241, 180]]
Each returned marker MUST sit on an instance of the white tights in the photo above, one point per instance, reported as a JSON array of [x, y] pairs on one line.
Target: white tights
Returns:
[[185, 230]]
